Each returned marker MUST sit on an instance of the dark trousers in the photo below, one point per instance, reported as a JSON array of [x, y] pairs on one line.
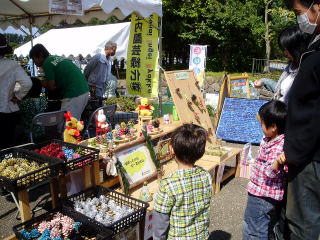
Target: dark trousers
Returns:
[[8, 122], [303, 202]]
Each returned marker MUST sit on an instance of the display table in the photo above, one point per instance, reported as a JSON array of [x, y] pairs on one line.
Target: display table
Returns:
[[207, 163]]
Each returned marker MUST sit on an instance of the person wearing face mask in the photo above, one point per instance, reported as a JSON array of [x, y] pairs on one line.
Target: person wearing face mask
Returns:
[[302, 132]]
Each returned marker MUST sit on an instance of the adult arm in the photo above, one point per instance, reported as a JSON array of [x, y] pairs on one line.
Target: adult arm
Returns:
[[302, 131], [25, 82], [161, 225], [49, 84], [91, 66], [273, 168]]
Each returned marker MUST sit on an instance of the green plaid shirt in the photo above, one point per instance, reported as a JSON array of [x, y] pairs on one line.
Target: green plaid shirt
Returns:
[[185, 196]]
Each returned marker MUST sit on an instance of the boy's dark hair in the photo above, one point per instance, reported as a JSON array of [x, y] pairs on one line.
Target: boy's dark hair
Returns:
[[39, 50], [189, 142], [306, 3], [295, 41], [274, 112]]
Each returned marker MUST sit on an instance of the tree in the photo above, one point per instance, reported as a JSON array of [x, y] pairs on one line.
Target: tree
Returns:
[[236, 30]]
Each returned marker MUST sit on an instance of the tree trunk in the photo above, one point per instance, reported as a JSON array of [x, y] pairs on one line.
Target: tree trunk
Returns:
[[267, 36]]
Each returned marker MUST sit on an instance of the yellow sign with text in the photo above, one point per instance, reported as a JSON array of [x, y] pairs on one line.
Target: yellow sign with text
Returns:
[[134, 162], [142, 61]]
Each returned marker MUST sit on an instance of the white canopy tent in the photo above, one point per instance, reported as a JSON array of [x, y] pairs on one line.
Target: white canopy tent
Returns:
[[26, 12], [82, 40]]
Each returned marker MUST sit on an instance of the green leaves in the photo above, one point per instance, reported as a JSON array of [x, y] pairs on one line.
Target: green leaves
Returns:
[[234, 29]]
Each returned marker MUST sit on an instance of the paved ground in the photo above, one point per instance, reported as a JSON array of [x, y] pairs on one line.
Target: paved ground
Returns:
[[227, 209]]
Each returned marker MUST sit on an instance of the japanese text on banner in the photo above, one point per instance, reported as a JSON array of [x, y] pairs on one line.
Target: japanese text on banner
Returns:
[[142, 62]]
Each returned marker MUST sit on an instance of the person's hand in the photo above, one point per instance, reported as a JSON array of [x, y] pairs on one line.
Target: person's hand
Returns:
[[282, 158], [15, 100], [279, 161], [257, 84]]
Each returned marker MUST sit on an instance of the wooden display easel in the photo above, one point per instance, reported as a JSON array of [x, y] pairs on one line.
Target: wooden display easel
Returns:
[[188, 99], [224, 92]]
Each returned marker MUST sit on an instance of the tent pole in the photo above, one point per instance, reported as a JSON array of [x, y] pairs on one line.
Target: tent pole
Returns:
[[160, 68], [31, 40]]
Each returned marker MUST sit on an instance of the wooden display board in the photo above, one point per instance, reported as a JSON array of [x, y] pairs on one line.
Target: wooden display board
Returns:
[[238, 86], [188, 99], [224, 92]]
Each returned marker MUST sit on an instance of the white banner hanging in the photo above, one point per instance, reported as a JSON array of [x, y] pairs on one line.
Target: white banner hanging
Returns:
[[197, 63]]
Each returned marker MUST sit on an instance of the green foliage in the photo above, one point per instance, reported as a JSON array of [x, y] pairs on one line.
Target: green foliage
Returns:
[[210, 110], [125, 180], [233, 29], [125, 104], [150, 147]]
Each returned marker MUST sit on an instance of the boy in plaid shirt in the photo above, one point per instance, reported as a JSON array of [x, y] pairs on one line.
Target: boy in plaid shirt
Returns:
[[183, 199], [268, 176]]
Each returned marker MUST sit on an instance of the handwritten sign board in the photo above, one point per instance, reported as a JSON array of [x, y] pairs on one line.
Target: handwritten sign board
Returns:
[[238, 121], [239, 86], [137, 162]]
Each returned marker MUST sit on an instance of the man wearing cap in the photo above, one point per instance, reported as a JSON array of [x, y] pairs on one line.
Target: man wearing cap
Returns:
[[98, 71], [11, 73]]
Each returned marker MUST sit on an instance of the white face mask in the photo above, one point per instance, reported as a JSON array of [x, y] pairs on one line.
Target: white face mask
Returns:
[[304, 22]]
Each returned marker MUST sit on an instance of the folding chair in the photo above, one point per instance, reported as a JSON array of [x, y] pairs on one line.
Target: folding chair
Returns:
[[108, 110], [49, 119]]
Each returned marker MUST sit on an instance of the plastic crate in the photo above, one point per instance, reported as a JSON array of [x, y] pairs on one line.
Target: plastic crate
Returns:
[[53, 169], [139, 207], [90, 154], [119, 117], [88, 230]]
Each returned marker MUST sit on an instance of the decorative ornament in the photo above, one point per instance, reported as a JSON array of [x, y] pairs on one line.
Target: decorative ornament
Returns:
[[145, 193], [73, 128]]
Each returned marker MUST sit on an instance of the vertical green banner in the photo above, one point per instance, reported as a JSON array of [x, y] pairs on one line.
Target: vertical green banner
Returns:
[[142, 61]]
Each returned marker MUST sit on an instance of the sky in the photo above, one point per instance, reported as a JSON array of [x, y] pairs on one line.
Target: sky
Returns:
[[11, 29]]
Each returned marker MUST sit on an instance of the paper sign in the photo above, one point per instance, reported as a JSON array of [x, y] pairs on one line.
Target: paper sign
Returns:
[[197, 61], [142, 61], [239, 88], [220, 172], [181, 76], [137, 162], [66, 7]]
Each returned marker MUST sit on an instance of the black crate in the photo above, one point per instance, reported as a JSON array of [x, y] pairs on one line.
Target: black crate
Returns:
[[90, 154], [139, 207], [88, 230], [119, 117], [33, 178]]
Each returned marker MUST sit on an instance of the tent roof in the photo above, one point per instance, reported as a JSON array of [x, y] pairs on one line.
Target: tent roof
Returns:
[[82, 40], [16, 12]]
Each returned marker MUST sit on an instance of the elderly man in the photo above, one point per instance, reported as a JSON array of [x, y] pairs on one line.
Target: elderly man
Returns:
[[98, 71]]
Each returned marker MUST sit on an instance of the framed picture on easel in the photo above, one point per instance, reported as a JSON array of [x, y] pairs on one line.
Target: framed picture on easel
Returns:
[[137, 165], [238, 86]]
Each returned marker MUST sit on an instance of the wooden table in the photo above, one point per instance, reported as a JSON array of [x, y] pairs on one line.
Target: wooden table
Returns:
[[208, 163], [166, 129]]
